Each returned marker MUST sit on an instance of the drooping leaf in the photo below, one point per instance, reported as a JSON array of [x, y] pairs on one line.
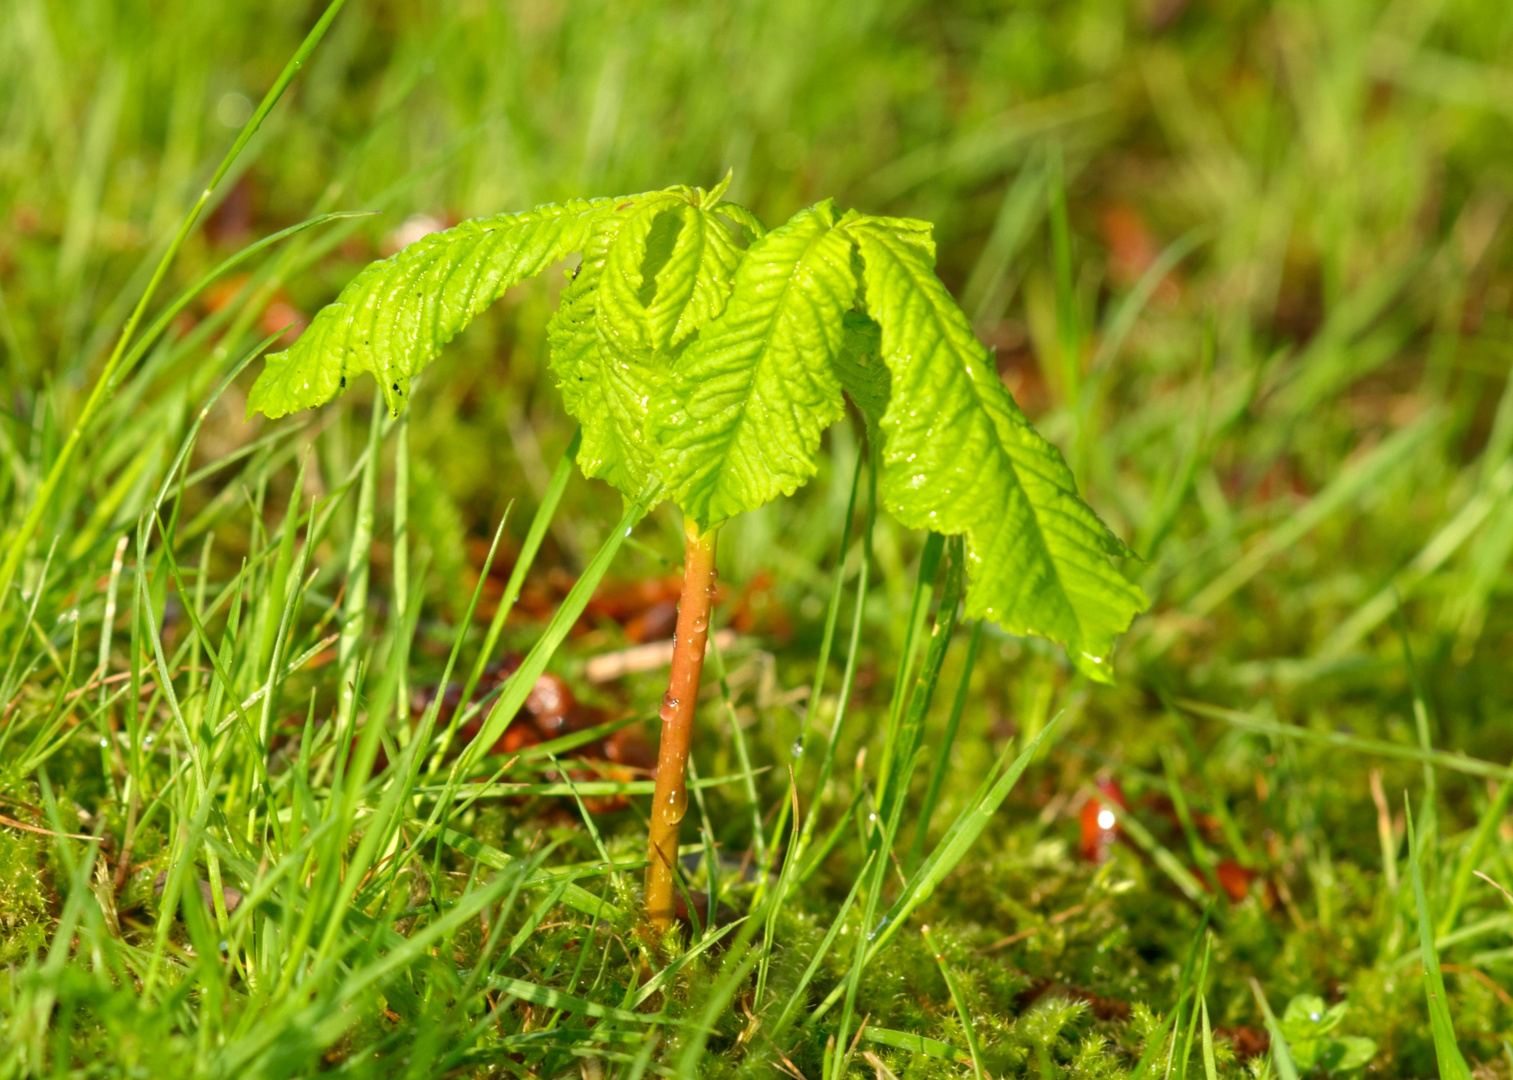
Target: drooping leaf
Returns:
[[622, 320], [682, 355], [741, 419], [960, 457], [859, 367], [393, 318], [617, 360], [576, 361], [740, 215], [642, 282], [695, 281]]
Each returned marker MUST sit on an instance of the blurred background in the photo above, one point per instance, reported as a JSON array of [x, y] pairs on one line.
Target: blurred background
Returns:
[[1248, 264], [1222, 251]]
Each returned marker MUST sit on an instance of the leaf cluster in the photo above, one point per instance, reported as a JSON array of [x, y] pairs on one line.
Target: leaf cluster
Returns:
[[1309, 1027], [704, 357]]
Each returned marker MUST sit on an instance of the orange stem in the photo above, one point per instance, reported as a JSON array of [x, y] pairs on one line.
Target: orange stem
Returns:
[[670, 800]]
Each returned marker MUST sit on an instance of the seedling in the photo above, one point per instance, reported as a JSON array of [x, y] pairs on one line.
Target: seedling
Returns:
[[1308, 1026], [704, 356]]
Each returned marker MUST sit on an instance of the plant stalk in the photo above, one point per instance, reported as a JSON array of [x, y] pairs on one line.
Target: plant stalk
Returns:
[[670, 800]]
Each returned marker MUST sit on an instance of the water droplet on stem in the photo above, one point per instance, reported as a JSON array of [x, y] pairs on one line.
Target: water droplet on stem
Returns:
[[676, 805]]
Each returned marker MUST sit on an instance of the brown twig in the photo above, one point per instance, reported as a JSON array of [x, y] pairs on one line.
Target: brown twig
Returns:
[[13, 823], [638, 658], [1054, 920], [1480, 976]]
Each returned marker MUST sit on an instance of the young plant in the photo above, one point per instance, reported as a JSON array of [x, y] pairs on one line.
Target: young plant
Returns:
[[704, 356]]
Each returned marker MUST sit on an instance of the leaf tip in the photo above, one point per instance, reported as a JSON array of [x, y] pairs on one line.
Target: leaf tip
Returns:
[[713, 196], [260, 399], [1097, 668]]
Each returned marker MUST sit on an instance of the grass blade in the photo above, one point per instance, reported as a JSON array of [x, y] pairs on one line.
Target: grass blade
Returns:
[[952, 848], [1378, 747], [1281, 1054], [958, 1001], [1452, 1065], [1210, 1069], [108, 376]]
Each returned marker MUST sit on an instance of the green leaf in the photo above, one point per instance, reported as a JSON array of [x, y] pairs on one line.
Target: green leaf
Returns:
[[622, 320], [740, 215], [1306, 1053], [859, 367], [646, 278], [1349, 1052], [694, 283], [394, 317], [683, 356], [740, 421], [960, 457], [611, 355], [1307, 1017]]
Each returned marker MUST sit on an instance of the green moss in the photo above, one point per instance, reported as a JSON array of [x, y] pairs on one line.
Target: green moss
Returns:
[[24, 891]]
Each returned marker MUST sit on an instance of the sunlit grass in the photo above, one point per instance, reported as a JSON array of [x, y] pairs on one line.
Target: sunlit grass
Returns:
[[1248, 267]]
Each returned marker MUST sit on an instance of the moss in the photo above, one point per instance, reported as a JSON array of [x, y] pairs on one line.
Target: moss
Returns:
[[24, 892]]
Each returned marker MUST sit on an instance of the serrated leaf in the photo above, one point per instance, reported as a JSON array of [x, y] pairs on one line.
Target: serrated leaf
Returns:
[[695, 281], [593, 390], [911, 231], [622, 319], [960, 457], [741, 216], [741, 419], [859, 367], [629, 371], [642, 279], [767, 344], [394, 317]]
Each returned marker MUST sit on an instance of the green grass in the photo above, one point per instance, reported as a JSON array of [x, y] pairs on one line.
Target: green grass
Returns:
[[1248, 266]]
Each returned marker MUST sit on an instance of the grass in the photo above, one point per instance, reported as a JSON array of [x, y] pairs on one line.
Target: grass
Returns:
[[1249, 266]]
